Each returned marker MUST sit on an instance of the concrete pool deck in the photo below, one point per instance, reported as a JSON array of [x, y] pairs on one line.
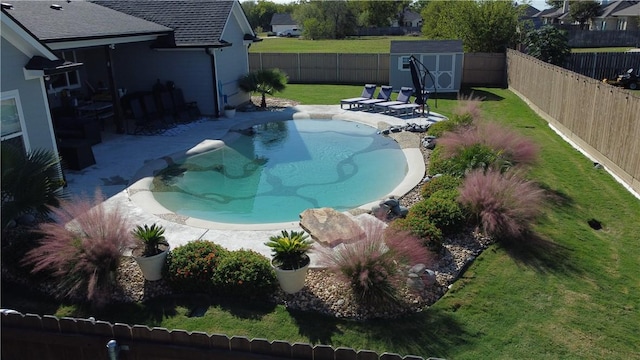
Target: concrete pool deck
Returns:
[[128, 160]]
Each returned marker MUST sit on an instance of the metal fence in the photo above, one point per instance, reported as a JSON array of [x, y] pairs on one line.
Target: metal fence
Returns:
[[600, 65], [602, 119], [332, 68]]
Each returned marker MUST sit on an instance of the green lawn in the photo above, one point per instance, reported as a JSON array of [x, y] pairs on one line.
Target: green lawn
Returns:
[[605, 49], [570, 292], [360, 45]]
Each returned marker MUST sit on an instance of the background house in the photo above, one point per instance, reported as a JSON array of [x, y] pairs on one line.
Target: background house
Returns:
[[409, 19], [617, 15], [443, 59], [281, 22]]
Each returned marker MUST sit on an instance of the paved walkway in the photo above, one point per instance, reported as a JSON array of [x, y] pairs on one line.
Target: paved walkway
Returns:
[[120, 158]]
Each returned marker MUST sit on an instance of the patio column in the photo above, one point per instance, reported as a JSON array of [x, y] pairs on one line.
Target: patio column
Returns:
[[113, 89]]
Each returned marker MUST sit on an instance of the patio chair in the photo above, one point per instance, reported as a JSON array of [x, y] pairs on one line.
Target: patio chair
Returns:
[[144, 122], [403, 98], [367, 93], [169, 111], [411, 108], [183, 107], [383, 95]]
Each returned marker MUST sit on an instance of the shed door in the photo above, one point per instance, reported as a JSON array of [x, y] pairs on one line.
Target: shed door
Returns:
[[442, 69]]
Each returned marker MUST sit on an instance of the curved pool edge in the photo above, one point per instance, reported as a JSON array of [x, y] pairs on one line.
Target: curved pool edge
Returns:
[[139, 192]]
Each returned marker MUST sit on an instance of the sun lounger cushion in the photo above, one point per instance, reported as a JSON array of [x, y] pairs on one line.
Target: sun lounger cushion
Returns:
[[403, 98], [383, 95], [367, 93]]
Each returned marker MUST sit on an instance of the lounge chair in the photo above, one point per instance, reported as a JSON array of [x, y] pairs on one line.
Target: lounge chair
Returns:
[[411, 108], [184, 107], [403, 98], [383, 95], [367, 93]]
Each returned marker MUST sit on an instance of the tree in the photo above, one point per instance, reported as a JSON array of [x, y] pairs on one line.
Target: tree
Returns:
[[259, 14], [583, 11], [548, 44], [556, 4], [333, 19], [264, 81], [483, 26]]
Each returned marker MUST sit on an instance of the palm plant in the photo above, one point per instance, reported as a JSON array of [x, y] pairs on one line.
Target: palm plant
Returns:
[[29, 182], [263, 81], [151, 237], [290, 249]]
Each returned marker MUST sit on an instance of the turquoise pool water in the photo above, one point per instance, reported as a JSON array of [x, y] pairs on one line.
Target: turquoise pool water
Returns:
[[282, 169]]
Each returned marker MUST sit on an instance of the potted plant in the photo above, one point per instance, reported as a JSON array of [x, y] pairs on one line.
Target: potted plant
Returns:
[[229, 111], [152, 250], [290, 259]]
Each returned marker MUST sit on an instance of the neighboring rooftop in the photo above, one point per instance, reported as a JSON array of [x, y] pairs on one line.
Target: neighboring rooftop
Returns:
[[282, 19], [426, 46]]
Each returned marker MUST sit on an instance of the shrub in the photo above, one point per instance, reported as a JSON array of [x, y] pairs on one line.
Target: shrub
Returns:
[[371, 266], [83, 248], [444, 182], [441, 210], [245, 273], [190, 267], [441, 127], [429, 234], [30, 182], [502, 204]]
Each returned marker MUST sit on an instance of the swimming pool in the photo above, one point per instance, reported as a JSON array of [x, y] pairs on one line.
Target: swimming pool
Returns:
[[281, 169]]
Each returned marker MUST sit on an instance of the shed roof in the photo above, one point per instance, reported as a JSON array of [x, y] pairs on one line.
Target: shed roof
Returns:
[[78, 20], [195, 22], [426, 46], [282, 19]]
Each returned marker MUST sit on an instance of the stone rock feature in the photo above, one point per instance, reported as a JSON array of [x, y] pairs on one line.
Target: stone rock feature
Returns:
[[330, 227], [389, 209], [420, 277]]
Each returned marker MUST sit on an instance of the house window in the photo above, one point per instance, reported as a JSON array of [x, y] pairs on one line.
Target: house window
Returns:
[[11, 119], [67, 80], [403, 63]]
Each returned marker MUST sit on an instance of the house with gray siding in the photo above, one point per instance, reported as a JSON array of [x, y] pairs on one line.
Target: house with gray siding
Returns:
[[25, 117], [443, 59], [128, 46]]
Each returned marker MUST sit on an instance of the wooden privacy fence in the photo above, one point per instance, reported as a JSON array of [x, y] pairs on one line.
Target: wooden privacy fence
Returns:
[[603, 120], [603, 65], [27, 337], [333, 68]]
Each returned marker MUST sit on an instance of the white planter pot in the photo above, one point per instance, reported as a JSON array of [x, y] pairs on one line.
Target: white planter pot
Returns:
[[151, 266], [292, 281], [230, 113]]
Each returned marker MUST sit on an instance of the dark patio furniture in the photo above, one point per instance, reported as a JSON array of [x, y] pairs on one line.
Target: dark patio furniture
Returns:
[[76, 154]]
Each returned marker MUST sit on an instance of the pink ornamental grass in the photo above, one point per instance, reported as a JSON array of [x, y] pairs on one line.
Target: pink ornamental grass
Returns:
[[504, 204], [82, 248], [506, 143], [371, 266]]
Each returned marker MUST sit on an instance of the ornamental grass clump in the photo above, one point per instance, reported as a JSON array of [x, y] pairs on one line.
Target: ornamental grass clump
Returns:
[[503, 205], [485, 145], [82, 248], [373, 266]]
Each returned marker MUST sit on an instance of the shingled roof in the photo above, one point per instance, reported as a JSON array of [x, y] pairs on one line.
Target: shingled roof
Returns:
[[77, 20], [196, 23], [425, 46]]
